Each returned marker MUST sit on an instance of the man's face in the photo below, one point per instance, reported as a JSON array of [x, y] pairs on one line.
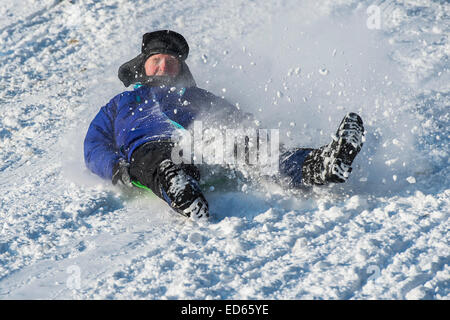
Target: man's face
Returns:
[[162, 65]]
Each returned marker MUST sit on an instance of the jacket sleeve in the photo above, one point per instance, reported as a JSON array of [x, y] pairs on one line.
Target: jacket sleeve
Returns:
[[100, 149], [225, 113]]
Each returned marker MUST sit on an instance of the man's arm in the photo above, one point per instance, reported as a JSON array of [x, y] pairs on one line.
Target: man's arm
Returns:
[[223, 112], [100, 150]]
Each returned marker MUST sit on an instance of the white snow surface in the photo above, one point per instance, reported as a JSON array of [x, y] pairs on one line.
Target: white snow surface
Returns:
[[299, 66]]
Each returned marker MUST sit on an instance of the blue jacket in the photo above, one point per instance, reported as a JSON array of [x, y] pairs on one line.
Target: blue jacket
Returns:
[[146, 114]]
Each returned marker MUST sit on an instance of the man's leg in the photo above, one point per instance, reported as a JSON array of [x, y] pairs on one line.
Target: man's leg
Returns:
[[328, 164], [291, 163], [152, 166]]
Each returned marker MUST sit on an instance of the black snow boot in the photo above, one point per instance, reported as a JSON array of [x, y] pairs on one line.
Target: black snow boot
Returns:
[[181, 191], [332, 163], [176, 184]]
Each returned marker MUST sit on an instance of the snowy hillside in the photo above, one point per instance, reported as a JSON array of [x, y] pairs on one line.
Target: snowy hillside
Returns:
[[299, 66]]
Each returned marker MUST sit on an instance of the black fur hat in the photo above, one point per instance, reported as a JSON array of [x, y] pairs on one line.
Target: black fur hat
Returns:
[[162, 41], [165, 41]]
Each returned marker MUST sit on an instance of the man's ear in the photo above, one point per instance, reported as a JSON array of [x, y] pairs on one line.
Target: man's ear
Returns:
[[185, 77]]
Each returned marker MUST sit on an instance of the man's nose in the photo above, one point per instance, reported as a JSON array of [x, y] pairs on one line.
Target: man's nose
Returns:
[[163, 65]]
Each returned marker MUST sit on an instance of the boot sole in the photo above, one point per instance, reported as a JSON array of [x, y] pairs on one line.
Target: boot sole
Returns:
[[196, 208], [343, 150]]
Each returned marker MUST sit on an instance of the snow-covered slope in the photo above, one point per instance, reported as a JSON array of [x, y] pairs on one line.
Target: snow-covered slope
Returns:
[[298, 66]]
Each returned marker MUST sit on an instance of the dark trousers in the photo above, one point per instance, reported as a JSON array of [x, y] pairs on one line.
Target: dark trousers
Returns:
[[145, 160]]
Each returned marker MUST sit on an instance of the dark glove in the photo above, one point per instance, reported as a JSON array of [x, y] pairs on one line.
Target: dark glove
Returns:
[[121, 172]]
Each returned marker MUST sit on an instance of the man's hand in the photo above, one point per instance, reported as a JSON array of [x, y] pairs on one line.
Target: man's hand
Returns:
[[121, 172]]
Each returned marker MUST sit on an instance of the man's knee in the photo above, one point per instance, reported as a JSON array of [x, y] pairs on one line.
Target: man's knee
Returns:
[[145, 161]]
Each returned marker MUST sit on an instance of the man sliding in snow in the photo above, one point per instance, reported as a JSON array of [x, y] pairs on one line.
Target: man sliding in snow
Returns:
[[130, 139]]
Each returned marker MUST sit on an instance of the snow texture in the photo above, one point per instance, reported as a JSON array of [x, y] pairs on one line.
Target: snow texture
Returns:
[[299, 66]]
